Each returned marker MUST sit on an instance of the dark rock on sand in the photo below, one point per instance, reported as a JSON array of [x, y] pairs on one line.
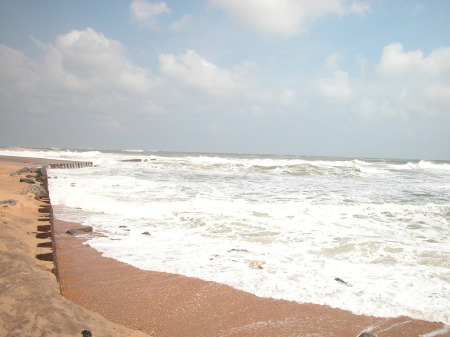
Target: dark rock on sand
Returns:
[[86, 333], [37, 190], [85, 229], [366, 334], [11, 202], [82, 229], [40, 175], [27, 180], [146, 233], [22, 171]]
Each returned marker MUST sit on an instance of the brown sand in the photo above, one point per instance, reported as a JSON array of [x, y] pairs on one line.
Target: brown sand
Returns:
[[164, 304], [30, 300]]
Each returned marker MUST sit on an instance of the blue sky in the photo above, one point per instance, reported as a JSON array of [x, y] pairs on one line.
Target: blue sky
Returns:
[[364, 78]]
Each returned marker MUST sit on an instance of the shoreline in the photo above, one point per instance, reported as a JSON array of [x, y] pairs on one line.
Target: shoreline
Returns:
[[165, 304], [31, 303]]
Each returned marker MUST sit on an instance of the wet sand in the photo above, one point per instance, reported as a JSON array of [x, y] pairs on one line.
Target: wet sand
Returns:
[[165, 304]]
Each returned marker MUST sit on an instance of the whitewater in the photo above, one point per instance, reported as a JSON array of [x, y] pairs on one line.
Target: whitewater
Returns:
[[371, 236]]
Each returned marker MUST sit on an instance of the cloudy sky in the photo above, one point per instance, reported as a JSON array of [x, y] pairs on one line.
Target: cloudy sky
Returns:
[[366, 78]]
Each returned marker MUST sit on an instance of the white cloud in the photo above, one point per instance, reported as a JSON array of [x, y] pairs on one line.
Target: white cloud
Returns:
[[414, 83], [195, 72], [82, 72], [288, 97], [359, 7], [88, 61], [182, 24], [405, 85], [332, 61], [145, 13], [335, 88], [283, 17], [396, 62], [16, 68]]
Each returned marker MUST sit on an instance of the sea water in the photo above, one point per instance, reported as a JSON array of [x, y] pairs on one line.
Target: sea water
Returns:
[[371, 236]]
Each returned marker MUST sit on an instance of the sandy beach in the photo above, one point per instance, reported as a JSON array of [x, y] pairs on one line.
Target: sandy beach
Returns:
[[98, 291], [31, 303]]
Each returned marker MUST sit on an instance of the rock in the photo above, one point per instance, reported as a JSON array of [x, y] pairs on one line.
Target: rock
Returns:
[[85, 229], [26, 180], [86, 333], [37, 190], [146, 233], [41, 172], [366, 334], [11, 202], [22, 171], [132, 160], [337, 279], [82, 229]]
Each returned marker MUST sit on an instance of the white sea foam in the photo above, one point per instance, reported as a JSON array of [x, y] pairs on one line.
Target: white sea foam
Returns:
[[379, 226]]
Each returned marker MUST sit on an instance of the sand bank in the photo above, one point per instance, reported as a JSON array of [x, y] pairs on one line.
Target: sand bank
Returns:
[[30, 300]]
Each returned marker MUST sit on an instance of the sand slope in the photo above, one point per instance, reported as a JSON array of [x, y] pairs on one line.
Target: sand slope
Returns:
[[31, 303]]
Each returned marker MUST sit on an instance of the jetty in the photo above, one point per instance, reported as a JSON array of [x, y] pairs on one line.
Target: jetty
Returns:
[[51, 163]]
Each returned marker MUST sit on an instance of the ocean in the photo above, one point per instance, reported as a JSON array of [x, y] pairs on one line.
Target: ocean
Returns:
[[371, 236]]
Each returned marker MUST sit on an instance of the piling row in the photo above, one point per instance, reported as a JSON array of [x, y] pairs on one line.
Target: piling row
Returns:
[[76, 164]]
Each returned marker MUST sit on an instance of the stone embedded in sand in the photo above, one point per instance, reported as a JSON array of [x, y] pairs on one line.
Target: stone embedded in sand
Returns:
[[27, 180], [22, 171], [37, 190], [11, 202], [85, 229], [82, 229], [146, 233], [366, 334]]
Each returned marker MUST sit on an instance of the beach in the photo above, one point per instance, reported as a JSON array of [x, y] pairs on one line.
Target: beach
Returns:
[[31, 303], [99, 290]]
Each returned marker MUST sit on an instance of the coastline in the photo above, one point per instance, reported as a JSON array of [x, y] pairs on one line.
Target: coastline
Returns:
[[165, 304], [31, 302]]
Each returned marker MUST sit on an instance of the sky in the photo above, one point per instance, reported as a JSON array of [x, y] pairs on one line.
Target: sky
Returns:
[[354, 78]]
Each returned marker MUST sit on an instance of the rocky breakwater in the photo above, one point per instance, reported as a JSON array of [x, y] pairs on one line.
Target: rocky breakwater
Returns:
[[37, 185]]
